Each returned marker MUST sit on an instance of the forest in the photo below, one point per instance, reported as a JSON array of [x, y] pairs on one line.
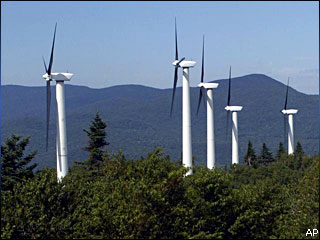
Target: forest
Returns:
[[109, 196]]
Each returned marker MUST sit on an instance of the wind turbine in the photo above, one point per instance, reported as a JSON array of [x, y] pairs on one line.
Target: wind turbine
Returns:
[[186, 112], [290, 113], [234, 110], [210, 114], [61, 141]]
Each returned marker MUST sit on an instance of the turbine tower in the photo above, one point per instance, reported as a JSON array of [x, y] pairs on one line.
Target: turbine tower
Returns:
[[234, 110], [186, 112], [290, 113], [61, 141], [210, 114]]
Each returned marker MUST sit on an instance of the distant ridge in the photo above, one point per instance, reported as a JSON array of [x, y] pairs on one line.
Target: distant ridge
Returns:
[[138, 118]]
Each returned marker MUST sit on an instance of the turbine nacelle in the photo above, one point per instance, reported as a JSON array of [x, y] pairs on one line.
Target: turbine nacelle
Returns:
[[289, 111], [233, 108], [58, 76], [184, 64], [208, 85]]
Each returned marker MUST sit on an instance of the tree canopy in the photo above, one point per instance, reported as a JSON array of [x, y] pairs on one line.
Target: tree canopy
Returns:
[[15, 165], [150, 198]]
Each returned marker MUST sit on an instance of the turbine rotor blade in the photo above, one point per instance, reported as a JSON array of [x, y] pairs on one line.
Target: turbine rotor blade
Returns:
[[229, 90], [201, 79], [175, 80], [227, 127], [174, 88], [44, 63], [48, 112], [202, 67], [176, 38], [199, 101], [284, 129], [285, 103], [204, 94], [228, 103], [52, 49]]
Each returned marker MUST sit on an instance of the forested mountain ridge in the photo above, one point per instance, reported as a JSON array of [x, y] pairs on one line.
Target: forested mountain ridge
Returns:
[[138, 118]]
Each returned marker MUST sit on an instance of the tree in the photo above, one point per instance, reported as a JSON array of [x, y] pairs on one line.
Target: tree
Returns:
[[250, 158], [298, 149], [97, 142], [298, 156], [14, 164], [265, 157], [280, 151]]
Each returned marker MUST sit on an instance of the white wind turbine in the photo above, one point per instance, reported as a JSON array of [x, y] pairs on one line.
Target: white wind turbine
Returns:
[[234, 110], [186, 112], [210, 114], [290, 113], [61, 141]]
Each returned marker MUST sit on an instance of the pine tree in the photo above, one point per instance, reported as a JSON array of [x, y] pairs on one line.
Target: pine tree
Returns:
[[280, 151], [298, 149], [97, 142], [250, 158], [265, 158], [298, 156], [14, 163]]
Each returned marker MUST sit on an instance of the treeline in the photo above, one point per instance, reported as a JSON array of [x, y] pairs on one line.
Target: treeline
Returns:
[[110, 196]]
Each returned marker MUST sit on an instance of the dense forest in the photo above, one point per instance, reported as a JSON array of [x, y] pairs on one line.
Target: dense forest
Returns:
[[109, 196]]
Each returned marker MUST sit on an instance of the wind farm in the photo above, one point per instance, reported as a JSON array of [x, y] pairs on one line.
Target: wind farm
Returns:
[[125, 152]]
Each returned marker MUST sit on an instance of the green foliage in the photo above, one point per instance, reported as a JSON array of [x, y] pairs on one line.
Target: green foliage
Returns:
[[298, 156], [250, 158], [151, 198], [35, 208], [303, 201], [259, 205], [298, 149], [265, 157], [280, 151], [14, 164], [97, 142]]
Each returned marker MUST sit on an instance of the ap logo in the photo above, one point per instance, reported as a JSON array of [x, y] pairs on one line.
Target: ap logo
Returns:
[[312, 233]]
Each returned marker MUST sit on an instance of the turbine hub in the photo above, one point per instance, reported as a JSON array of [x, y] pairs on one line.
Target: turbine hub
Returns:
[[58, 76], [208, 85], [46, 77], [184, 64], [289, 111], [233, 108]]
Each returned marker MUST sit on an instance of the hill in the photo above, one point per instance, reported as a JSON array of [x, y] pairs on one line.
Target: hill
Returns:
[[138, 118]]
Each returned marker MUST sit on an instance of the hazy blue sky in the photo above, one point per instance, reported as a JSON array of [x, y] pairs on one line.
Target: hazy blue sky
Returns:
[[112, 43]]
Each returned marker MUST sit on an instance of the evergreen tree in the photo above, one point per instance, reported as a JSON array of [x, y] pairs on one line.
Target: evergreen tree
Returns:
[[250, 158], [280, 151], [298, 156], [298, 149], [265, 157], [97, 142], [14, 163]]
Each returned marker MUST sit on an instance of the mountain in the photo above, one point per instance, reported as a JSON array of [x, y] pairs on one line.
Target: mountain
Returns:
[[138, 118]]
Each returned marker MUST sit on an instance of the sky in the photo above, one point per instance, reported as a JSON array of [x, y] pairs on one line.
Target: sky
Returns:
[[113, 43]]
